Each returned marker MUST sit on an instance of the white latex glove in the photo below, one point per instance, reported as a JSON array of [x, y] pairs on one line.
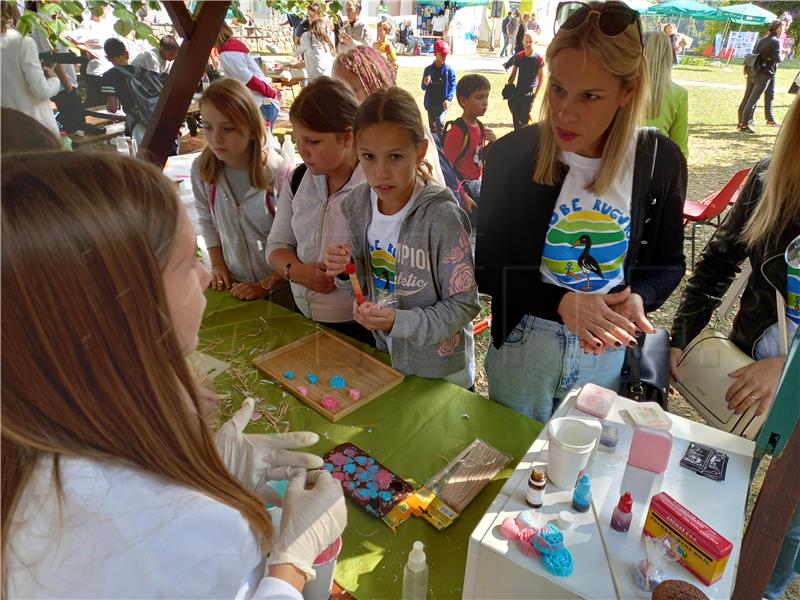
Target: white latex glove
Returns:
[[311, 521], [255, 459]]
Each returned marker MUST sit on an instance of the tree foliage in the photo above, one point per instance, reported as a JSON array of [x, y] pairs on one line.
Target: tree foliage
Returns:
[[54, 19]]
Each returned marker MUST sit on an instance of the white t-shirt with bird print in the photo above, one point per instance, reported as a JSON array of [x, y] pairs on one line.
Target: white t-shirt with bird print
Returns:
[[586, 244]]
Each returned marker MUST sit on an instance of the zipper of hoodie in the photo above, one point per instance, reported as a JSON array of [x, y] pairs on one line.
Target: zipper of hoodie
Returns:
[[241, 229]]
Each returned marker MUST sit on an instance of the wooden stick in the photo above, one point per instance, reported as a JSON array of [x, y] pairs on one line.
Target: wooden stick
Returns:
[[605, 548]]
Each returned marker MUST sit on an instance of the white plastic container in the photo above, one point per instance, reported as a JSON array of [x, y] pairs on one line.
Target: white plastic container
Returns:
[[570, 443], [415, 574], [324, 565]]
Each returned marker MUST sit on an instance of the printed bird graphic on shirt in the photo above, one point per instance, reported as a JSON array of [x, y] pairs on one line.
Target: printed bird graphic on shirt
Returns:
[[586, 261]]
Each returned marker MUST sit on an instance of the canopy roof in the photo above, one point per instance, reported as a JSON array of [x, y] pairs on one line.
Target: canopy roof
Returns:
[[745, 14]]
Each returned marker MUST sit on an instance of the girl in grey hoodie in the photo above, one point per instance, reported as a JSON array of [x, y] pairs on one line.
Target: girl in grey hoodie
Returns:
[[236, 181], [408, 240]]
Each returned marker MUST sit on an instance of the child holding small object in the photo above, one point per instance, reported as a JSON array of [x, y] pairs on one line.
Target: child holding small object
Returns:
[[236, 180], [410, 244], [439, 83], [310, 217]]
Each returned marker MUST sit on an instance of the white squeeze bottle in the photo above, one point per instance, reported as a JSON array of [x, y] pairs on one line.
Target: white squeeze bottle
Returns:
[[415, 575], [288, 148]]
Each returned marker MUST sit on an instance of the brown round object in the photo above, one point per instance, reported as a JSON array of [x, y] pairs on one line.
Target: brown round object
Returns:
[[677, 589]]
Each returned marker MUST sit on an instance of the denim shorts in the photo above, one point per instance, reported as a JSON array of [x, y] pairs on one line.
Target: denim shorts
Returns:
[[540, 362]]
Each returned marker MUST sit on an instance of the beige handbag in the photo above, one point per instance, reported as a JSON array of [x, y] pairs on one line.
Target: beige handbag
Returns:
[[706, 362]]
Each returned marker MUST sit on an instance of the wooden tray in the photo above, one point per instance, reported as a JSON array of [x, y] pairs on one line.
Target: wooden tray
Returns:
[[326, 355]]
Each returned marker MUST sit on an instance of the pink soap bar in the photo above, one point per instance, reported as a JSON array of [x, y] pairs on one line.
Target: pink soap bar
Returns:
[[650, 449], [509, 529], [595, 400]]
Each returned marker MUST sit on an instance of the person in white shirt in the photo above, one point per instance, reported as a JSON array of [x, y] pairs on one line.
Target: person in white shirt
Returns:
[[27, 86], [158, 59], [91, 36], [113, 484]]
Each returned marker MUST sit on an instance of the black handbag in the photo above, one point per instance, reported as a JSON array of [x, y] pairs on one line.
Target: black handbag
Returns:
[[509, 90], [645, 372]]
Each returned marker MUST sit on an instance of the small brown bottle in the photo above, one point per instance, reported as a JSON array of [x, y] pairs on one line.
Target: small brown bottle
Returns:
[[534, 497]]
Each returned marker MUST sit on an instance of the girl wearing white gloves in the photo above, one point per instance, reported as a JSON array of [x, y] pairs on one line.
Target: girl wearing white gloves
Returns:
[[111, 482]]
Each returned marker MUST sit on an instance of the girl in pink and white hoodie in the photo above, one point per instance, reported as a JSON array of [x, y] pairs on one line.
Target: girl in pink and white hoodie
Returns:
[[236, 62]]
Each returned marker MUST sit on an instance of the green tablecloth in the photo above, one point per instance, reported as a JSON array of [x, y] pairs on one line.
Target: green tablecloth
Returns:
[[411, 429]]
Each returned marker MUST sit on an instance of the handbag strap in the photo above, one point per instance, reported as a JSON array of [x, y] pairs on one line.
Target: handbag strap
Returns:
[[734, 291], [651, 133], [784, 334]]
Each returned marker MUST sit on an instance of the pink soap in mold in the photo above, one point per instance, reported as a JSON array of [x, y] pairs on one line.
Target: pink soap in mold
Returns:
[[524, 543], [650, 449], [509, 529], [355, 394], [329, 403], [303, 390]]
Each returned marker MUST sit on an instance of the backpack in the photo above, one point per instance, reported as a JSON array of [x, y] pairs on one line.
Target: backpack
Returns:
[[751, 65], [462, 125], [144, 88], [297, 177]]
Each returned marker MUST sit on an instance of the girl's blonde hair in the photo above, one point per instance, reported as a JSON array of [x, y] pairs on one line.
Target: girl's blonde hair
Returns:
[[780, 201], [658, 52], [92, 365], [397, 106], [621, 56], [230, 97]]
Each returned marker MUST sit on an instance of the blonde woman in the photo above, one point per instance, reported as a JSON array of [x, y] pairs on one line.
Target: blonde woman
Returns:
[[759, 227], [113, 486], [583, 229], [668, 106]]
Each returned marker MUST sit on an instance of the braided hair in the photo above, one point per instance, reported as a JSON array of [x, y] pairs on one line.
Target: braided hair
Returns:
[[369, 65]]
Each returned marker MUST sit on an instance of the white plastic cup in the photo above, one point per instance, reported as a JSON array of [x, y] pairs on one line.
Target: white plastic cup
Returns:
[[324, 565], [571, 442]]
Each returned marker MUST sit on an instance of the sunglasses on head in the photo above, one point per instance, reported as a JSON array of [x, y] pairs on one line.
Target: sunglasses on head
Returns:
[[613, 18]]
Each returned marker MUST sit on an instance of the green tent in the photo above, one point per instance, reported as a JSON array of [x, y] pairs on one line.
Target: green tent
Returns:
[[747, 14], [684, 8]]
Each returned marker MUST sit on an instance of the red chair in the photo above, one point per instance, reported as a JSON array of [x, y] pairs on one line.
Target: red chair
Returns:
[[711, 207]]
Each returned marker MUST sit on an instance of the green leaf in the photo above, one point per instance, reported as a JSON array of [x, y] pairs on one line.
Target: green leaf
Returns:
[[136, 5], [123, 28], [153, 40], [72, 8], [142, 30], [154, 4], [25, 24], [122, 12]]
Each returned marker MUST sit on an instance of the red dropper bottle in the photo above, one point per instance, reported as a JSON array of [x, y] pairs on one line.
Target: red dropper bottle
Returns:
[[622, 516]]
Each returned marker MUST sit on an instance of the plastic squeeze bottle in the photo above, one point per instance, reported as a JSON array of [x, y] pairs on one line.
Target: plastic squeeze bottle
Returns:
[[621, 518], [582, 495], [415, 574]]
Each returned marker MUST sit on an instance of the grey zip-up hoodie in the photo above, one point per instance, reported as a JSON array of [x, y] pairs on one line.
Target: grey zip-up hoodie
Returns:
[[308, 222], [241, 230], [434, 281]]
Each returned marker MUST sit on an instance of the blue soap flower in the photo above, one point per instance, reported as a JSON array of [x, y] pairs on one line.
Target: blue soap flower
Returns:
[[328, 467], [289, 374], [349, 468], [361, 459], [385, 495], [337, 382], [312, 378]]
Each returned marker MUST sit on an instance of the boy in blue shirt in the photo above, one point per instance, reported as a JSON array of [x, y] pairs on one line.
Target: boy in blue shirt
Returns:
[[439, 83]]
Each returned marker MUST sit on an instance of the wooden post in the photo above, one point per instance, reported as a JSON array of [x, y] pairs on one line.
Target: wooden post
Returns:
[[776, 503], [199, 37]]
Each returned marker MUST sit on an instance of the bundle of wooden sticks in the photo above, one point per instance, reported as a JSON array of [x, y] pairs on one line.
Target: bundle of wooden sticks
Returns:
[[467, 474]]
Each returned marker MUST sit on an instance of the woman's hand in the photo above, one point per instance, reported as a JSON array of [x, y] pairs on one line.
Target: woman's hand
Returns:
[[336, 258], [248, 291], [220, 277], [374, 317], [674, 356], [315, 277], [633, 309], [755, 383], [593, 318]]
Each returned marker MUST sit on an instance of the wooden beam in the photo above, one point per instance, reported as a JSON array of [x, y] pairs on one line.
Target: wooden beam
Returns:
[[776, 503], [180, 16], [184, 76]]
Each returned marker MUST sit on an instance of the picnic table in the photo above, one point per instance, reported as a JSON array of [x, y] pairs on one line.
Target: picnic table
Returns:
[[413, 429]]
